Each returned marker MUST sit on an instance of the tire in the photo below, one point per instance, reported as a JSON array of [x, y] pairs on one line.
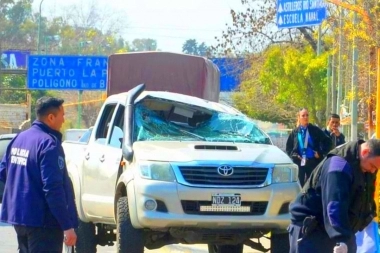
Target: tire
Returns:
[[129, 239], [86, 242], [279, 243], [213, 248]]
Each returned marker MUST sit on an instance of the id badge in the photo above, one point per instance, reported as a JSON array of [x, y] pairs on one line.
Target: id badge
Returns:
[[303, 160]]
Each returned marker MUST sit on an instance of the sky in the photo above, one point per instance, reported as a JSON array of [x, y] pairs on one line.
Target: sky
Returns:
[[169, 22]]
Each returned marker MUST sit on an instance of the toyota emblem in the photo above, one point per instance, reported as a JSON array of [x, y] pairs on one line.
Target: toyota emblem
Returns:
[[225, 170]]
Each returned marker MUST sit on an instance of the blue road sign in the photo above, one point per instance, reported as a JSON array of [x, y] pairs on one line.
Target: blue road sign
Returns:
[[63, 72], [230, 72], [300, 13], [13, 59]]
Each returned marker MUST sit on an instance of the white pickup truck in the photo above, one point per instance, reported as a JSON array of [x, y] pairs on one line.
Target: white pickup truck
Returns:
[[164, 168]]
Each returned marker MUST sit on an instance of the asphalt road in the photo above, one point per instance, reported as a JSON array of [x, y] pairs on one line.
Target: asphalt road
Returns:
[[8, 244]]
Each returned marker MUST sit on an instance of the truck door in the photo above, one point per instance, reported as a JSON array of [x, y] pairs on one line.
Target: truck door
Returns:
[[93, 158], [109, 168]]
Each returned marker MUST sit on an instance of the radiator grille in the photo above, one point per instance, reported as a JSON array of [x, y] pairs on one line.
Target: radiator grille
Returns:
[[208, 175]]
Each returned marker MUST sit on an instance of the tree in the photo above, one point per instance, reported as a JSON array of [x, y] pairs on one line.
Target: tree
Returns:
[[285, 78], [144, 45], [9, 93], [191, 47], [85, 29], [203, 49], [91, 14], [59, 35], [18, 29], [92, 108], [260, 105]]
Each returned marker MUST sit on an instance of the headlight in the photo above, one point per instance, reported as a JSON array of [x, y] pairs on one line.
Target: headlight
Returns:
[[160, 171], [285, 173]]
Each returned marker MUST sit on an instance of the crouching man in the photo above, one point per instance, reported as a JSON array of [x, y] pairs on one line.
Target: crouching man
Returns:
[[336, 201]]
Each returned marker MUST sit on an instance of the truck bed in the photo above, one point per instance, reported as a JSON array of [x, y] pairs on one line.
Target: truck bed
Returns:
[[161, 71]]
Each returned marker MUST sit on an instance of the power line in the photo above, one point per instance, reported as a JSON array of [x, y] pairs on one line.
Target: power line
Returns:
[[173, 28], [166, 36]]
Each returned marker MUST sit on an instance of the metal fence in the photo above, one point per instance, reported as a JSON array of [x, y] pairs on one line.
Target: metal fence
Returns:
[[280, 142]]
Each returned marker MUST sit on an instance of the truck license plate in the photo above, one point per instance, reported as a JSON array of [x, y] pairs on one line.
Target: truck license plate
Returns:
[[221, 199]]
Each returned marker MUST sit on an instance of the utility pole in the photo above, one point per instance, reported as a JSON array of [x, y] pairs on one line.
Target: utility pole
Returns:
[[328, 69], [1, 53], [80, 92], [39, 29], [333, 85], [79, 120], [340, 69], [319, 40], [354, 84], [377, 120], [328, 105]]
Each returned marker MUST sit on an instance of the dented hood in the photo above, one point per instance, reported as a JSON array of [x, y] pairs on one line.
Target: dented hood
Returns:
[[169, 151]]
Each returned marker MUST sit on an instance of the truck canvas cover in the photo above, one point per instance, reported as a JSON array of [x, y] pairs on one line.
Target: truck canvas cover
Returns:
[[161, 71]]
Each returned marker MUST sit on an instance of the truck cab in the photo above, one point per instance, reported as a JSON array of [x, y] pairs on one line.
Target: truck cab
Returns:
[[163, 168]]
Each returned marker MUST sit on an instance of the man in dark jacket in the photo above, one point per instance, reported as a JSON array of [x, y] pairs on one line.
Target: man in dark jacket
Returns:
[[38, 198], [337, 200], [332, 130]]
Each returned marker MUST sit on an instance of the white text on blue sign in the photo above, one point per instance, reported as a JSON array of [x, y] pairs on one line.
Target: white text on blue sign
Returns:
[[75, 73], [298, 13]]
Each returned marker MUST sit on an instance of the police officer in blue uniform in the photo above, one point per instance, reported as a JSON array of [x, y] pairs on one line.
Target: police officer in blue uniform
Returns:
[[336, 201], [38, 197]]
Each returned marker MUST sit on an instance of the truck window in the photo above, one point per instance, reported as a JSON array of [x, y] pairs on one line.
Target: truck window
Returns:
[[116, 139], [105, 120]]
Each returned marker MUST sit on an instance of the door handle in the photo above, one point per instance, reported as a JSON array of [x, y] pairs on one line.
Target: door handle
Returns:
[[87, 156], [102, 158]]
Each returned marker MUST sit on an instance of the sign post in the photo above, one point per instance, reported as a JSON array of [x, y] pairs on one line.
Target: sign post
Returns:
[[79, 120]]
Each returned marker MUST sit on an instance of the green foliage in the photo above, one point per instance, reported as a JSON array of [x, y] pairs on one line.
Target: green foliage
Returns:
[[77, 31], [15, 22], [59, 35], [287, 79], [12, 96], [191, 47], [12, 91], [144, 45]]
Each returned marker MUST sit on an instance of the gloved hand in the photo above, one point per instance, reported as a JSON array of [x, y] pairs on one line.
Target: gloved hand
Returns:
[[341, 248]]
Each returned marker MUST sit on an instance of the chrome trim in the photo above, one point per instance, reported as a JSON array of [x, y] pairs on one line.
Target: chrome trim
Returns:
[[225, 170], [182, 181]]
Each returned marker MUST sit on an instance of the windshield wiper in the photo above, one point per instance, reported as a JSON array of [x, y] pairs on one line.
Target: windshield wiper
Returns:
[[233, 133], [246, 136], [192, 134]]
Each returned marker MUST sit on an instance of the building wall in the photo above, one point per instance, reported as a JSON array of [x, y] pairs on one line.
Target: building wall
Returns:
[[12, 117]]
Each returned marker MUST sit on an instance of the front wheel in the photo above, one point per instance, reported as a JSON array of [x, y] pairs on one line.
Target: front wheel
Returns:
[[214, 248], [86, 242], [129, 239], [279, 243]]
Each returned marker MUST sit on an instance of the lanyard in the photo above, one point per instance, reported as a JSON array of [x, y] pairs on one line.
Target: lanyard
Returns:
[[304, 144]]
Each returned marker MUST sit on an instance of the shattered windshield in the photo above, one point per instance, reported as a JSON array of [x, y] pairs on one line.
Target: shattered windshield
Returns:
[[213, 126]]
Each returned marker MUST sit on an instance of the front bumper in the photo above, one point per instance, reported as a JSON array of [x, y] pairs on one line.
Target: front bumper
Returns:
[[171, 194]]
